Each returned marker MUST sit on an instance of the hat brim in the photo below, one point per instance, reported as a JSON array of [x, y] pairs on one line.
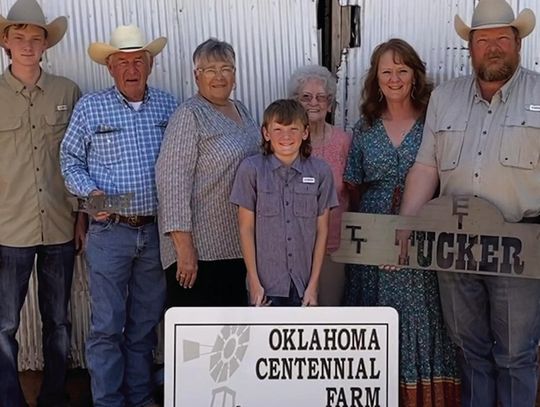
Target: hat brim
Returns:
[[99, 52], [55, 30], [524, 23]]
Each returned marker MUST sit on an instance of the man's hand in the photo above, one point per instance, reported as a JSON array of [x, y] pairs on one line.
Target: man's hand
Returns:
[[103, 215]]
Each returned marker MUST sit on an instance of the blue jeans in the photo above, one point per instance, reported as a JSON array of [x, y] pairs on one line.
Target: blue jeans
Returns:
[[496, 323], [55, 273], [127, 297]]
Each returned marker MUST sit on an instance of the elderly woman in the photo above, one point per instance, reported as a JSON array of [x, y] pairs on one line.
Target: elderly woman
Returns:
[[315, 88], [206, 139], [384, 147]]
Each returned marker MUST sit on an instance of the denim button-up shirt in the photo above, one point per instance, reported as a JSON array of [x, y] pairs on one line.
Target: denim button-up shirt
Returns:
[[286, 201]]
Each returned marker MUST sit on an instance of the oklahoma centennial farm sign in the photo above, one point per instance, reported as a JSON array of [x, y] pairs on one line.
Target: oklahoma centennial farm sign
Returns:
[[461, 234], [278, 356]]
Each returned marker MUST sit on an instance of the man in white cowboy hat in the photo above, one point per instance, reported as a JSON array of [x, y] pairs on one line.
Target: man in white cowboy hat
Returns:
[[482, 138], [36, 218], [111, 147]]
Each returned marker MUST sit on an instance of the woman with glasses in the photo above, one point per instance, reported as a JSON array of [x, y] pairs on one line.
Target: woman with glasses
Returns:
[[315, 88], [205, 141]]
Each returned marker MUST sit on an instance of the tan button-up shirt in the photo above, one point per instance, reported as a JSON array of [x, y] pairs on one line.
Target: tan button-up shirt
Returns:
[[33, 200], [487, 149]]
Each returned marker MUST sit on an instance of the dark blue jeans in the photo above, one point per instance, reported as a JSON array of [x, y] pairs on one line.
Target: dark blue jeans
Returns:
[[55, 273]]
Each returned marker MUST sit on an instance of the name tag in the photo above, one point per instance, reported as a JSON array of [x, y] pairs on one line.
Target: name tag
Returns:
[[308, 180], [533, 108], [61, 108]]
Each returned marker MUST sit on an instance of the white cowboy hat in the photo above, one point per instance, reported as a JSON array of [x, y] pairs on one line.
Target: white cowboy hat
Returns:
[[126, 38], [29, 12], [494, 14]]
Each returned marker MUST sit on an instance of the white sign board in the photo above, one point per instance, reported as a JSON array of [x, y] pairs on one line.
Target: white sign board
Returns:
[[277, 356]]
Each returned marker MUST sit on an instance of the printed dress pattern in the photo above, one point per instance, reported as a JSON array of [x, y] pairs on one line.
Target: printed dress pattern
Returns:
[[428, 367]]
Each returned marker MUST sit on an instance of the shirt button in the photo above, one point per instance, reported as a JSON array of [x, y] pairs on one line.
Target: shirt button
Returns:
[[40, 190], [489, 111], [479, 153], [288, 221], [31, 104], [33, 126], [287, 203], [484, 132], [35, 147], [42, 211], [289, 239], [476, 174], [290, 254], [37, 169]]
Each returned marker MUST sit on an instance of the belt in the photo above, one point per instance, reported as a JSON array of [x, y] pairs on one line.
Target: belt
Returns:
[[534, 219], [132, 220]]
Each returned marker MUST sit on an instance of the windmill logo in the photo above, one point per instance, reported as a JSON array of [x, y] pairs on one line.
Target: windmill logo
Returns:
[[226, 355]]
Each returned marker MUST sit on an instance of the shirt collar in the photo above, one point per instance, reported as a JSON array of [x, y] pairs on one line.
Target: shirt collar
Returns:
[[122, 99], [504, 91], [297, 164], [18, 86]]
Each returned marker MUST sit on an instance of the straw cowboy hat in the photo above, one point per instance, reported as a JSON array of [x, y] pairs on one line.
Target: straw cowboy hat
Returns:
[[126, 38], [29, 12], [494, 14]]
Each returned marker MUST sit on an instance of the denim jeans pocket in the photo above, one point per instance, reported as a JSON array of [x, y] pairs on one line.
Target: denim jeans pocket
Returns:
[[98, 227]]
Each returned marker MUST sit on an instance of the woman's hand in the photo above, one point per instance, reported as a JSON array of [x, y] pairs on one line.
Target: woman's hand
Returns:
[[187, 259]]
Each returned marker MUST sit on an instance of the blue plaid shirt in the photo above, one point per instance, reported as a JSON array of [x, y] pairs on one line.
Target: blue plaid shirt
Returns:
[[112, 147]]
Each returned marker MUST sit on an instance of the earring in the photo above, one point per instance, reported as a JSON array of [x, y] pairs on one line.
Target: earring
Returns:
[[381, 96]]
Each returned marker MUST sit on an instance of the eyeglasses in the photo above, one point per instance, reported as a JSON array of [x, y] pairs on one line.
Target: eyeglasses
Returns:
[[211, 72], [308, 97]]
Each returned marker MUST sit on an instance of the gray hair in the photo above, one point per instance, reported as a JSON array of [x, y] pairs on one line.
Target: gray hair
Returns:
[[308, 72], [213, 48]]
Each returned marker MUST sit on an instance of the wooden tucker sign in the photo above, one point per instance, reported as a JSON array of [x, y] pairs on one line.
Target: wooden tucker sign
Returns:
[[460, 234]]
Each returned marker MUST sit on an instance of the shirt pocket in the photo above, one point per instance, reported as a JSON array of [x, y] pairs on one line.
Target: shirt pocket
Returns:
[[268, 202], [56, 124], [520, 141], [305, 203], [106, 144], [449, 136], [9, 126], [55, 127]]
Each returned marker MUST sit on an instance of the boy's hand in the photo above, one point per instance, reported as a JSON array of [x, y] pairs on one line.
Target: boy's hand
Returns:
[[256, 294], [310, 297]]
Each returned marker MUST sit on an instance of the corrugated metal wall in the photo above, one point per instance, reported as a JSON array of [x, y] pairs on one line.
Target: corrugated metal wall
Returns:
[[271, 38], [428, 25]]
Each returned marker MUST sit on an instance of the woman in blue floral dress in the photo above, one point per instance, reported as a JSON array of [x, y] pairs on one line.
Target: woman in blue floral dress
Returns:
[[384, 147]]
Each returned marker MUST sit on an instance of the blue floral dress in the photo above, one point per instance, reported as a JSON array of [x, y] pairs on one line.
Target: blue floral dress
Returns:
[[428, 369]]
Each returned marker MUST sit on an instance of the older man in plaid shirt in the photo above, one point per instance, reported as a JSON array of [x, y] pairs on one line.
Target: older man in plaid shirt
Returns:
[[110, 147]]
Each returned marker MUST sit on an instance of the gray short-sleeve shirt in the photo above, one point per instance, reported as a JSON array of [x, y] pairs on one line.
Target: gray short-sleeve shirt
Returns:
[[286, 202]]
